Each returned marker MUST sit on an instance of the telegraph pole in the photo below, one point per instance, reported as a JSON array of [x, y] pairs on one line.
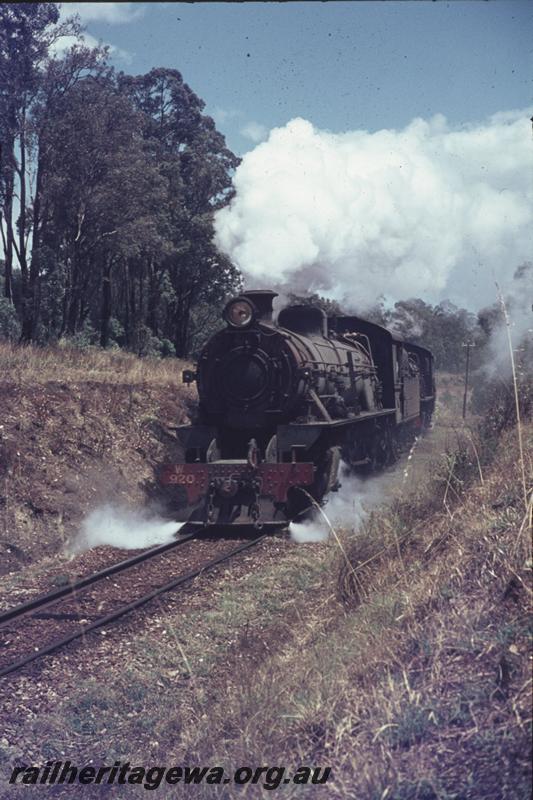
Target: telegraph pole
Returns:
[[468, 345]]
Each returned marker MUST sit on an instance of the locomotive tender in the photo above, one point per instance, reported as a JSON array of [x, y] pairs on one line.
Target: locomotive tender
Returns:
[[281, 403]]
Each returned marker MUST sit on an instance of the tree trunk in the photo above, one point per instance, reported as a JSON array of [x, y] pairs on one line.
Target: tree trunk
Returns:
[[74, 300], [126, 304], [132, 301], [105, 317], [142, 315], [34, 293], [7, 244], [152, 298], [181, 324], [7, 168], [67, 295], [79, 276], [27, 301]]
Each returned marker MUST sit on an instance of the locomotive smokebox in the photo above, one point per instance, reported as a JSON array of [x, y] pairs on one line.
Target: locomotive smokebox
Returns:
[[262, 300]]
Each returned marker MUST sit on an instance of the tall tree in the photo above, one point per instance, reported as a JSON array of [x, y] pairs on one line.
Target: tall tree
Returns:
[[32, 81], [60, 78], [443, 328], [24, 41], [193, 156], [104, 198]]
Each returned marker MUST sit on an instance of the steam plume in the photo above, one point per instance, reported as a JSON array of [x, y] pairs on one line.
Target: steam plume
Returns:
[[124, 528], [518, 297], [430, 210], [345, 508]]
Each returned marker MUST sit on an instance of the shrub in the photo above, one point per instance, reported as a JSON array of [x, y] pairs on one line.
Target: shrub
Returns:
[[494, 398], [9, 322]]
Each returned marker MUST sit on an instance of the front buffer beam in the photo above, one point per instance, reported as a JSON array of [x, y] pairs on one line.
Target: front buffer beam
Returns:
[[219, 491], [229, 478]]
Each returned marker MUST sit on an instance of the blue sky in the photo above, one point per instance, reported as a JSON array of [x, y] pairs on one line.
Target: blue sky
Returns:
[[341, 65]]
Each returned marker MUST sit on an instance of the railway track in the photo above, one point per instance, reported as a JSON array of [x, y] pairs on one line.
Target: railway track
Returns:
[[36, 610]]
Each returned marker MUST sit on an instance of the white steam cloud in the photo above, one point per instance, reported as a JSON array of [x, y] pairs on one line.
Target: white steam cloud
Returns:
[[123, 528], [346, 508], [518, 301], [430, 210]]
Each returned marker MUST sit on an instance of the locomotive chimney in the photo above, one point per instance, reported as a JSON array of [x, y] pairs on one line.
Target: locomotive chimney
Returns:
[[304, 319], [262, 300]]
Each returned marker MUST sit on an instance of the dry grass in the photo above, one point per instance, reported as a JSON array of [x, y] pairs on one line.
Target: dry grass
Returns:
[[421, 688], [408, 672], [412, 683], [36, 365]]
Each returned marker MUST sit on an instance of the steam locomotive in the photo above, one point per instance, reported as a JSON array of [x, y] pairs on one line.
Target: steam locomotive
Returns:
[[282, 403]]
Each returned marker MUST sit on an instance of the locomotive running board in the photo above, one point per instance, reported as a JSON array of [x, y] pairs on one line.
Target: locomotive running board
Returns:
[[305, 434], [338, 423]]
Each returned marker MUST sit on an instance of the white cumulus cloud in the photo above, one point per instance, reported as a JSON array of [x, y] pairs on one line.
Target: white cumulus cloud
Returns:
[[223, 115], [431, 210], [254, 131], [64, 43], [112, 13]]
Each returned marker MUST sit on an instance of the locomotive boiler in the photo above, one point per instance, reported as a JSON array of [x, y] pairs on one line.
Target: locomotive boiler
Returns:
[[281, 403]]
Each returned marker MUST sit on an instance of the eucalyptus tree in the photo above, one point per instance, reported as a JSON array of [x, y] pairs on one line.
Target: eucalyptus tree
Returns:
[[27, 31], [192, 155], [105, 205], [34, 77]]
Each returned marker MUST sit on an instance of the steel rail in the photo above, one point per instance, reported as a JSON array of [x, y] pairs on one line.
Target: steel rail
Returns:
[[45, 600], [102, 621]]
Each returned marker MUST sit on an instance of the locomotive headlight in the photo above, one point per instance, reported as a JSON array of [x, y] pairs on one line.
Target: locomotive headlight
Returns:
[[239, 313]]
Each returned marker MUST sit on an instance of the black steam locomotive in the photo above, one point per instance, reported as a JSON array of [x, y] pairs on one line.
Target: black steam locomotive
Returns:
[[281, 403]]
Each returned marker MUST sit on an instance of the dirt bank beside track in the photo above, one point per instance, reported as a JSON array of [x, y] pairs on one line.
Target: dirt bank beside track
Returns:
[[76, 433]]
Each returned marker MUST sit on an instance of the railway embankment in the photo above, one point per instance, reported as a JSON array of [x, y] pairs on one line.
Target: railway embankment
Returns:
[[78, 428]]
